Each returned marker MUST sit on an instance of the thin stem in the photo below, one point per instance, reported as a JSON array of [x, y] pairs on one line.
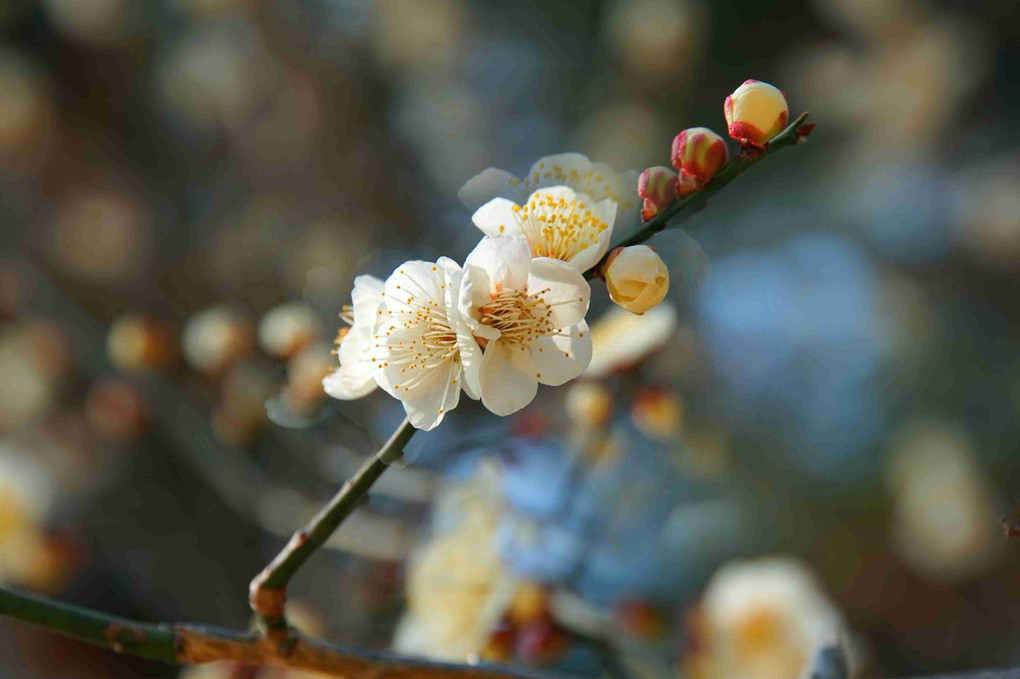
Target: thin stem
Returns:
[[192, 644], [268, 591], [690, 204]]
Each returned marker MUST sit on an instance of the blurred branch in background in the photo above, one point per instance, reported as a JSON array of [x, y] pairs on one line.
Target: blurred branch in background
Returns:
[[240, 483], [189, 644]]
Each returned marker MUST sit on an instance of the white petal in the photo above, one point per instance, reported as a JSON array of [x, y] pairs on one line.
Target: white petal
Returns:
[[427, 400], [497, 218], [604, 210], [562, 287], [470, 352], [489, 184], [426, 392], [561, 357], [474, 293], [561, 169], [414, 282], [356, 375], [367, 300], [508, 378], [505, 259]]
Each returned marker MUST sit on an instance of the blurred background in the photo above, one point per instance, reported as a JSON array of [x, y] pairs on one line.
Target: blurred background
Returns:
[[812, 442]]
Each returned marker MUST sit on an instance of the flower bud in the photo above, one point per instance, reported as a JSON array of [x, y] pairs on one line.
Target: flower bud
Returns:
[[589, 405], [657, 413], [755, 113], [636, 278], [658, 186], [699, 152]]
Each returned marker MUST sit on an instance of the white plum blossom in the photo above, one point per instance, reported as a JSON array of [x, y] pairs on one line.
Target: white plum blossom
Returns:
[[529, 315], [422, 346], [556, 222], [356, 375], [590, 183]]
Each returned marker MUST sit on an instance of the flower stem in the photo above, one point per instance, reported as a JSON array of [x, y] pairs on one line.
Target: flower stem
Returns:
[[193, 644], [268, 591], [690, 204]]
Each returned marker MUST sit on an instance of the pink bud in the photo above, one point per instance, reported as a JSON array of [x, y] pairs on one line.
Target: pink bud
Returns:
[[699, 152], [658, 186], [755, 113]]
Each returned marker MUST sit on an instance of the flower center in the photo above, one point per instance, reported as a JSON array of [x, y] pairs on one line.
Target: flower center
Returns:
[[520, 318], [558, 224]]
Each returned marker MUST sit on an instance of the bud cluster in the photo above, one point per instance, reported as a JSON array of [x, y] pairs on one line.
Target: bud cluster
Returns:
[[755, 113]]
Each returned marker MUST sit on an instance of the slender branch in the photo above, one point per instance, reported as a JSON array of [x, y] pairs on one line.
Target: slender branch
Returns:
[[192, 644], [685, 207], [268, 591]]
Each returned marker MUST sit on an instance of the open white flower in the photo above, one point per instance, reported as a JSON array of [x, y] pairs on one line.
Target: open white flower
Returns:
[[556, 222], [356, 375], [597, 181], [529, 314], [422, 345]]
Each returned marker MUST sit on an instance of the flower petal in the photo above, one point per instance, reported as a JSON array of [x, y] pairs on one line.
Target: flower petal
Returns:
[[561, 169], [427, 393], [367, 300], [474, 293], [505, 259], [414, 282], [604, 211], [508, 378], [356, 375], [498, 218], [470, 352], [562, 287], [488, 184], [561, 357]]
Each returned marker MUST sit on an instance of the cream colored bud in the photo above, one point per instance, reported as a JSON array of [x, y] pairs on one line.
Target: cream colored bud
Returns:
[[755, 113], [287, 329], [636, 278], [589, 404]]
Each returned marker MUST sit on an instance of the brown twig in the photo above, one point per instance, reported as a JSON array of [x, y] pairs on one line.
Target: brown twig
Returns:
[[193, 644]]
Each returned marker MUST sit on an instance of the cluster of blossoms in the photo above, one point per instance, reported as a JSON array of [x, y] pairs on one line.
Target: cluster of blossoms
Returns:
[[513, 315]]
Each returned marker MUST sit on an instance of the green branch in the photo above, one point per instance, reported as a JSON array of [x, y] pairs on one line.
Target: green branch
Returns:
[[157, 642], [267, 592], [685, 207], [191, 644]]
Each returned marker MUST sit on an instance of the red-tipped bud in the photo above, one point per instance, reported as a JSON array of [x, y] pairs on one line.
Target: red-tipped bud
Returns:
[[755, 113], [658, 186], [687, 185], [699, 152]]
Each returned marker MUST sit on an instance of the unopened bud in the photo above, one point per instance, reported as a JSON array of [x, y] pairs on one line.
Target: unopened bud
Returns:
[[216, 338], [699, 152], [755, 113], [658, 187], [136, 343], [287, 329], [687, 185], [657, 412], [636, 278], [589, 405]]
